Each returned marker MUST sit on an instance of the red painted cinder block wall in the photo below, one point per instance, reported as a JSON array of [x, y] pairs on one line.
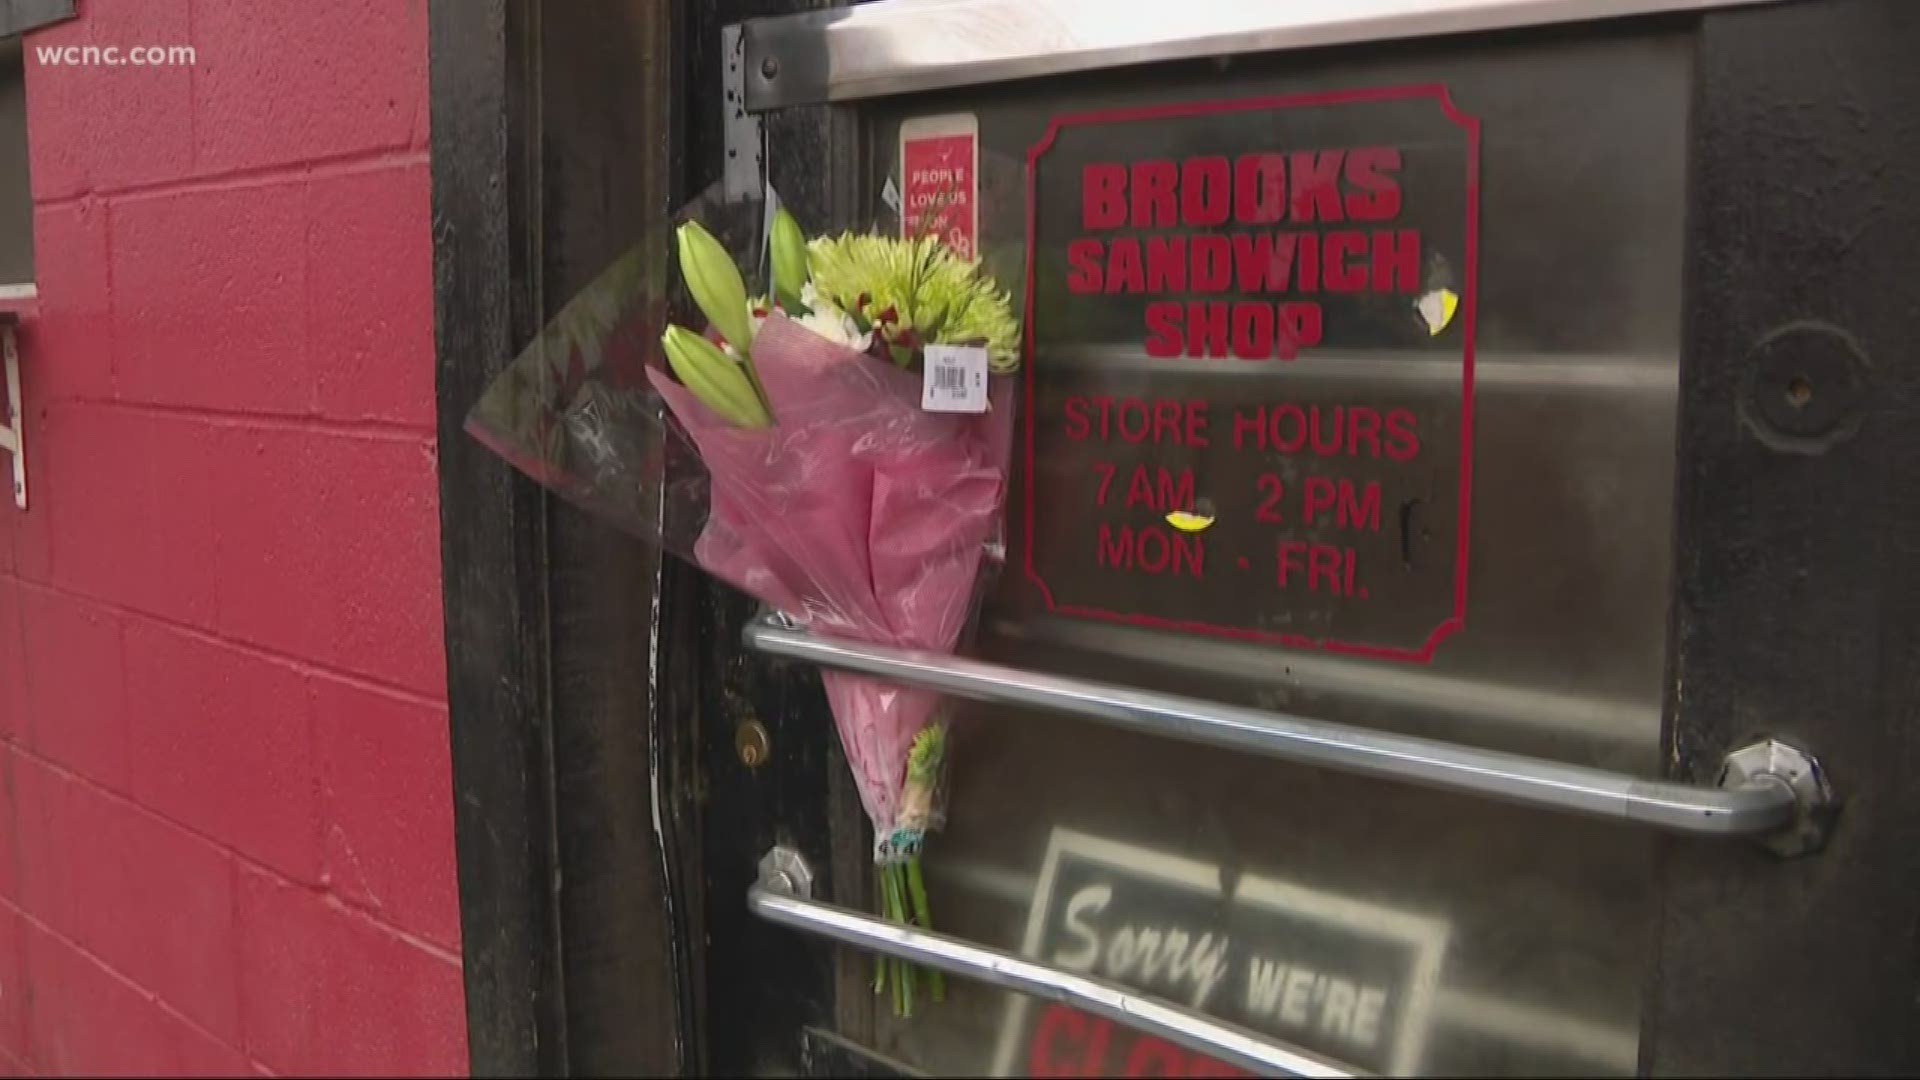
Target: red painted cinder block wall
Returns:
[[226, 840]]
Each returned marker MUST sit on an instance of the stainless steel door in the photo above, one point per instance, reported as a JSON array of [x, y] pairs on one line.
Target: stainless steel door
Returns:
[[1396, 929]]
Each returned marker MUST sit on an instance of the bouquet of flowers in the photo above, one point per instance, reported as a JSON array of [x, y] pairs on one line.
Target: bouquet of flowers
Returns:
[[837, 498], [831, 494]]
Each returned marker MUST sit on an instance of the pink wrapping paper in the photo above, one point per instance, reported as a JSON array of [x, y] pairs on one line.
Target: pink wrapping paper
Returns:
[[858, 514]]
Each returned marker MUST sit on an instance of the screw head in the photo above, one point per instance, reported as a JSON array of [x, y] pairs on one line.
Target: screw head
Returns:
[[769, 68]]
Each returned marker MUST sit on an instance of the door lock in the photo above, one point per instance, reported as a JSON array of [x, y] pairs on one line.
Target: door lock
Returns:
[[751, 742]]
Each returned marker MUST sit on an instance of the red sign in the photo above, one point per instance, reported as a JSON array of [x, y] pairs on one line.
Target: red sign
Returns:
[[1068, 1042], [939, 163], [1250, 330]]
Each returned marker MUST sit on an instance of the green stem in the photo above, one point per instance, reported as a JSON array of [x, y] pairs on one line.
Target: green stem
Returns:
[[882, 962], [897, 912], [922, 914], [906, 976]]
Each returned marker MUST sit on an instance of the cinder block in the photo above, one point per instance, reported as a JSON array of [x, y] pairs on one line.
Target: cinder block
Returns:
[[10, 822], [272, 541], [169, 923], [370, 252], [141, 894], [331, 993], [25, 537], [344, 530], [14, 990], [282, 81], [210, 296], [387, 794], [388, 620], [66, 352], [42, 845], [75, 681], [87, 1021], [222, 743], [130, 509], [15, 723]]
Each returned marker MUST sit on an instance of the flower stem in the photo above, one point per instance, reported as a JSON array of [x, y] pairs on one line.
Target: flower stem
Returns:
[[923, 915], [896, 907], [907, 972], [881, 963]]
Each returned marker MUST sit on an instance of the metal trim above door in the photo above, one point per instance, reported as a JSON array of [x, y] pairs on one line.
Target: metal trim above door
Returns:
[[906, 46], [1767, 790]]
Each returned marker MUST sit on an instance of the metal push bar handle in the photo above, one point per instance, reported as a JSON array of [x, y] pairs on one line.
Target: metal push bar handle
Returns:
[[779, 898], [1765, 787]]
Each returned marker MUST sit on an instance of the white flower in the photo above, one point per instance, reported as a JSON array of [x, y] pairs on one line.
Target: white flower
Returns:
[[831, 323]]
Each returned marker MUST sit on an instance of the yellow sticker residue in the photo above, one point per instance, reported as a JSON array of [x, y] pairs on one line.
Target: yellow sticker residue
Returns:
[[1186, 522]]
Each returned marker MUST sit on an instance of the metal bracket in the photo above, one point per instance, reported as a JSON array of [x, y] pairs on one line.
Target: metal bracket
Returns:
[[785, 871], [1815, 806], [740, 129], [14, 438]]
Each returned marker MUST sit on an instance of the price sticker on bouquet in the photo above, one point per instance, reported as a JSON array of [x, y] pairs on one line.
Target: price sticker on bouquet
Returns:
[[956, 379]]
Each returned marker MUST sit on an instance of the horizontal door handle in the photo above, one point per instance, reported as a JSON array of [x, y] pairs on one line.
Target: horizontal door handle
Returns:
[[1767, 789], [783, 896]]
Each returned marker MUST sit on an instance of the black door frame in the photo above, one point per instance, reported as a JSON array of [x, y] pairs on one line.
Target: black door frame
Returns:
[[1797, 592], [552, 130]]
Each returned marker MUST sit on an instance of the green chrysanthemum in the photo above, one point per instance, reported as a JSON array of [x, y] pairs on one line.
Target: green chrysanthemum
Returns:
[[928, 752], [916, 292]]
